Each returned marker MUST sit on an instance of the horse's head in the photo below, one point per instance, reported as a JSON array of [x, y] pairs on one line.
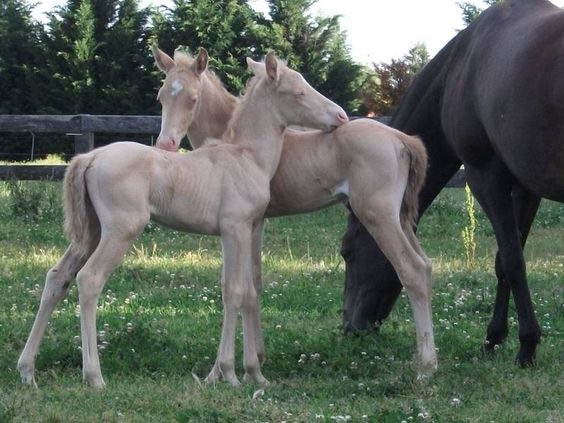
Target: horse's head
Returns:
[[297, 101], [371, 284], [179, 94]]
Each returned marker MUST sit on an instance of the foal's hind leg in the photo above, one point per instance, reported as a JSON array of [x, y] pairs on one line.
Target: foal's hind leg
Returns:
[[381, 218], [56, 287], [492, 185], [91, 279], [525, 206]]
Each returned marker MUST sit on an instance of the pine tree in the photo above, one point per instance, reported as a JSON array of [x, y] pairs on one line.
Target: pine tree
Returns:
[[22, 80], [226, 29], [317, 48], [100, 57]]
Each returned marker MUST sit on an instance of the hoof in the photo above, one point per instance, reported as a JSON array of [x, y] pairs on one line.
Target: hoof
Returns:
[[527, 353], [258, 379], [216, 375], [96, 382], [494, 340], [426, 371], [27, 374]]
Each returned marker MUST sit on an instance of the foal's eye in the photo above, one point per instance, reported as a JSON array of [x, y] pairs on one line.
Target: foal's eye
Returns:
[[300, 93]]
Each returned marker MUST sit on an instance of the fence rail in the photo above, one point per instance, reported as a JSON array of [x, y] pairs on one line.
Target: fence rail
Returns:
[[83, 128]]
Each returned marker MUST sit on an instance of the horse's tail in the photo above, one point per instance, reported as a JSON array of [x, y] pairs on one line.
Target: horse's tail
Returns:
[[417, 170], [81, 222]]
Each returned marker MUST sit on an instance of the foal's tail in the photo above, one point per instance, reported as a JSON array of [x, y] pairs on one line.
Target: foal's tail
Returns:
[[417, 170], [81, 222]]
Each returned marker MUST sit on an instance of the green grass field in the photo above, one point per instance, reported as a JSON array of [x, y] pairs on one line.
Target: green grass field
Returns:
[[159, 322]]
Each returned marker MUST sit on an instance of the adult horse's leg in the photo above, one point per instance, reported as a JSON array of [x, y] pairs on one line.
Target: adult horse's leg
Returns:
[[381, 219], [371, 284], [57, 284], [525, 206], [91, 280], [492, 185]]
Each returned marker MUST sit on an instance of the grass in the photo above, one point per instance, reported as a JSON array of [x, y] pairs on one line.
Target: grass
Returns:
[[159, 322]]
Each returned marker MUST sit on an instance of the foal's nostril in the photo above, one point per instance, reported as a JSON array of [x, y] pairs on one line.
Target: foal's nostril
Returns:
[[342, 116]]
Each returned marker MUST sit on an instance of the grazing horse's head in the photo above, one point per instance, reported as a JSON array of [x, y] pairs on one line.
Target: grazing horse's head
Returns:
[[298, 102], [179, 94]]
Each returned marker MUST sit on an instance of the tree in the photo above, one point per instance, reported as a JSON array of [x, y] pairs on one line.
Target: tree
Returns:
[[385, 85], [317, 48], [22, 80], [228, 30], [470, 11], [99, 57]]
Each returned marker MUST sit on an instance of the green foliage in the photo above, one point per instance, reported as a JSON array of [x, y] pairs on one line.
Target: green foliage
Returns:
[[100, 59], [32, 201], [385, 85], [469, 231], [22, 80], [470, 11], [317, 48]]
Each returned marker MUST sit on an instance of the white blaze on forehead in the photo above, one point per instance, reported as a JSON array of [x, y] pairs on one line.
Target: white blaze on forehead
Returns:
[[176, 88]]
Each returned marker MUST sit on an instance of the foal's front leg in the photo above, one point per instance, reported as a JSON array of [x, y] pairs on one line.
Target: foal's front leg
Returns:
[[258, 231], [252, 329], [238, 291]]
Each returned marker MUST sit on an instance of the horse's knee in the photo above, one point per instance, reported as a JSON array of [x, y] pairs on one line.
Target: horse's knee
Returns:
[[89, 285], [414, 277], [510, 266], [56, 284]]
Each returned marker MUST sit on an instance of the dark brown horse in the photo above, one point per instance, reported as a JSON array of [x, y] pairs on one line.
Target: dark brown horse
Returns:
[[493, 100]]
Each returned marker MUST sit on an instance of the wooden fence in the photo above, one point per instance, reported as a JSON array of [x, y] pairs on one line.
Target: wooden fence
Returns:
[[83, 128]]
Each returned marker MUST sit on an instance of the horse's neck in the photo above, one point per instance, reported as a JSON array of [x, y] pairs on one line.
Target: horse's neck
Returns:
[[215, 109], [257, 127]]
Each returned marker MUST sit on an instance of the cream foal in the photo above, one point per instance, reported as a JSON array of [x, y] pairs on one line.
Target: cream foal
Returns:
[[377, 169], [112, 192]]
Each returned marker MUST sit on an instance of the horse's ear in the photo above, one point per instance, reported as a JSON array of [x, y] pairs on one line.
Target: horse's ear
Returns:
[[272, 68], [256, 68], [201, 62], [164, 61]]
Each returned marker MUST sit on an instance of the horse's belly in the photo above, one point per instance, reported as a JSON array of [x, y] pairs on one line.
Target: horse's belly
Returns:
[[284, 201], [194, 212], [186, 222]]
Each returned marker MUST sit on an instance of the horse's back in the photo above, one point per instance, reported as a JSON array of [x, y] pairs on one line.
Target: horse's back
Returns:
[[504, 94]]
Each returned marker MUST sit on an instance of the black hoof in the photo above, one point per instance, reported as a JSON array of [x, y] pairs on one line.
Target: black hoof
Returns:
[[526, 356]]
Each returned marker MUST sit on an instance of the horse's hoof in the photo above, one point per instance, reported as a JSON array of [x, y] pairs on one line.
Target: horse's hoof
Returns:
[[526, 356], [216, 375], [257, 378], [95, 381], [29, 380], [27, 374]]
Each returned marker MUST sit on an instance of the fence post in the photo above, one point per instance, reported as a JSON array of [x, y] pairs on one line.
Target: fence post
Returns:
[[83, 143]]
